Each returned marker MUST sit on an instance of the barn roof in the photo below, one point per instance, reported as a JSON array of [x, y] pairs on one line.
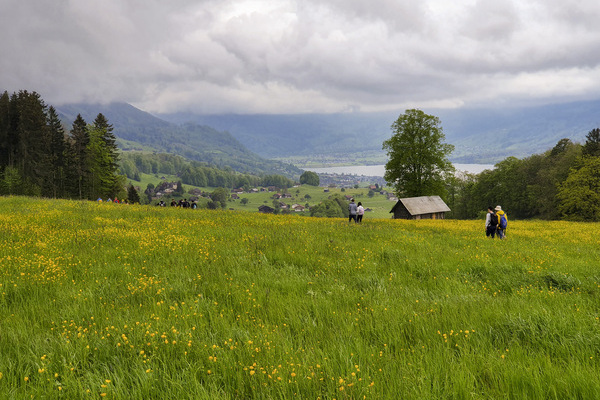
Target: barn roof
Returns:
[[423, 205]]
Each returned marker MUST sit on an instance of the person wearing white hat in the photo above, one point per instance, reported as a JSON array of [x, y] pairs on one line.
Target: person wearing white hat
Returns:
[[502, 222]]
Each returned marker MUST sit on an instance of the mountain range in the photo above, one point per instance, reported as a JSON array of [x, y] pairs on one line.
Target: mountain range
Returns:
[[479, 135], [139, 130], [248, 143]]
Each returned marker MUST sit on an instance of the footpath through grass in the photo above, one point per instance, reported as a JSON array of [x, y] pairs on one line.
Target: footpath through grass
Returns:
[[137, 302]]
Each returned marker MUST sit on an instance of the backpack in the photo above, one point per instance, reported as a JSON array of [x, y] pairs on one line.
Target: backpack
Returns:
[[503, 222]]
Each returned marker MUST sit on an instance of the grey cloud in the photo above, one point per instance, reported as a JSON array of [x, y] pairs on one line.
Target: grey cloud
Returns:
[[299, 56]]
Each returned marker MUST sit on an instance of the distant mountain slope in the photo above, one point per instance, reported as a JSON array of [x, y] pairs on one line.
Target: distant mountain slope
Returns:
[[201, 143], [490, 135], [301, 134], [479, 135]]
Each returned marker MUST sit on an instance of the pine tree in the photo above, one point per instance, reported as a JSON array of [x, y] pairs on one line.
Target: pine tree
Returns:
[[4, 129], [80, 140], [101, 182], [110, 155], [29, 124], [132, 195], [12, 140], [57, 152]]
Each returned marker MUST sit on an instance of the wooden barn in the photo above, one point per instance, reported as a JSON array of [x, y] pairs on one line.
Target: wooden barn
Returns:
[[266, 209], [424, 207]]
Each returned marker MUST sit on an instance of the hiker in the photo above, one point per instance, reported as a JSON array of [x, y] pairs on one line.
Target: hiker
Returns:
[[360, 211], [491, 223], [352, 211], [502, 222]]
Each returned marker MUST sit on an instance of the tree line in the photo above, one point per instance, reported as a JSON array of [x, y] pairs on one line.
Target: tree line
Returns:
[[39, 158], [194, 173], [561, 183]]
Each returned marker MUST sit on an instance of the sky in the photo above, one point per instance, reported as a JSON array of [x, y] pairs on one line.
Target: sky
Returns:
[[303, 56]]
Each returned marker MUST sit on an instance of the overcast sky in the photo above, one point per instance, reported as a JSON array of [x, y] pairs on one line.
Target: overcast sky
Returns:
[[285, 56]]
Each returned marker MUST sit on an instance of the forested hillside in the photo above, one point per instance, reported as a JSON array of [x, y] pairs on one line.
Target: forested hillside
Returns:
[[193, 141]]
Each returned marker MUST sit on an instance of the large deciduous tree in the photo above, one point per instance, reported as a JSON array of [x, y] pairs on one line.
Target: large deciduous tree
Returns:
[[418, 157], [309, 178], [579, 194], [592, 143], [220, 196]]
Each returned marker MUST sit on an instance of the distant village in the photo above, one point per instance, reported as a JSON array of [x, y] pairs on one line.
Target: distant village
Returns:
[[166, 190], [349, 180]]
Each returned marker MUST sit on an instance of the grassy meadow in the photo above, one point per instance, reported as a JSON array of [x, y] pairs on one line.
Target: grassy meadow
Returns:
[[379, 205], [138, 302]]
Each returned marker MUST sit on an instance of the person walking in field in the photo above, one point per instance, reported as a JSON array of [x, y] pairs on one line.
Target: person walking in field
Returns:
[[491, 223], [502, 222], [360, 211], [352, 211]]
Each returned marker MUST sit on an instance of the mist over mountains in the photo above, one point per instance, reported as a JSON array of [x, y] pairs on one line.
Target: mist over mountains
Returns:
[[479, 135], [247, 142], [139, 130]]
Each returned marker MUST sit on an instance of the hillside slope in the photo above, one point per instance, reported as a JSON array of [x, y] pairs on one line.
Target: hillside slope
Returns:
[[193, 141]]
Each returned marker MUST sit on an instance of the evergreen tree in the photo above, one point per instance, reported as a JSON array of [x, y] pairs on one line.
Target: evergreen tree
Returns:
[[132, 195], [29, 123], [12, 140], [80, 140], [98, 183], [57, 150], [110, 141], [4, 129], [111, 150]]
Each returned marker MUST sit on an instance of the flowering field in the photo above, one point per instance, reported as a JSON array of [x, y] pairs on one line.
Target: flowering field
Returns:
[[133, 302]]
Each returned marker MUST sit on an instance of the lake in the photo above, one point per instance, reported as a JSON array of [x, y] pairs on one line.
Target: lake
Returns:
[[379, 170]]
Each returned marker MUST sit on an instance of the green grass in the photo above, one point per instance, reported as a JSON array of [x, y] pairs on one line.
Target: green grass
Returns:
[[138, 302], [379, 204]]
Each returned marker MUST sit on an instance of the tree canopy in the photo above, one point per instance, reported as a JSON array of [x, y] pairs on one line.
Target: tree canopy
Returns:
[[309, 178], [418, 157], [579, 194], [592, 143]]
